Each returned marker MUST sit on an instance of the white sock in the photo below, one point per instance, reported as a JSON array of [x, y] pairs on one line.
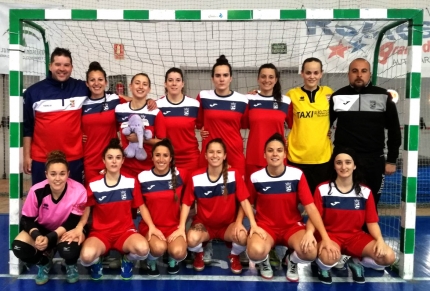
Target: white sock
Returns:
[[136, 257], [295, 259], [90, 264], [323, 266], [197, 249], [369, 263], [237, 249], [257, 262]]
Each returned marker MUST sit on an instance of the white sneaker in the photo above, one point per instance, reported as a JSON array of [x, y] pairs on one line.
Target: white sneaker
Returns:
[[341, 263], [208, 253], [292, 271], [265, 269]]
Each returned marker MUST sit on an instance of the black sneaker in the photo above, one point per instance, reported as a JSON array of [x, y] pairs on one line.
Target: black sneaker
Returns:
[[189, 259], [324, 276], [152, 268], [357, 271], [172, 266]]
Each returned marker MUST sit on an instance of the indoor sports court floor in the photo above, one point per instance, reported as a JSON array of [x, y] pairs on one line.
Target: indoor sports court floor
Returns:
[[218, 276]]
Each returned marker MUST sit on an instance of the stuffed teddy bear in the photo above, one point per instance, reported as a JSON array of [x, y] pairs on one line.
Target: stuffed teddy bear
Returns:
[[135, 149]]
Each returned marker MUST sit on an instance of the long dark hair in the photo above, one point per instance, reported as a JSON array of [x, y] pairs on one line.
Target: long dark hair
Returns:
[[277, 90], [221, 61], [173, 70], [168, 144], [224, 163], [357, 176]]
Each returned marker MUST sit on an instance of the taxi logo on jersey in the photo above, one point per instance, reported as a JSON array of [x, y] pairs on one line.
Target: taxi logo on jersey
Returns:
[[233, 105], [186, 111], [288, 187], [275, 105], [123, 195], [357, 203]]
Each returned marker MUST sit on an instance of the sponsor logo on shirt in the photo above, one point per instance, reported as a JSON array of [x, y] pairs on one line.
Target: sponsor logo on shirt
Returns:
[[124, 118], [256, 105], [150, 187], [233, 106], [356, 203], [87, 110], [166, 112], [207, 193], [102, 198], [45, 206], [186, 111], [288, 187], [335, 203], [267, 188], [212, 105], [123, 195], [302, 98], [346, 102]]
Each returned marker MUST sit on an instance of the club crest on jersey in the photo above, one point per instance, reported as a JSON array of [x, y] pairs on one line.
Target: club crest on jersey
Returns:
[[170, 185], [105, 106], [233, 106], [357, 203], [186, 111], [72, 103], [222, 189], [275, 105], [123, 195], [372, 104], [288, 187]]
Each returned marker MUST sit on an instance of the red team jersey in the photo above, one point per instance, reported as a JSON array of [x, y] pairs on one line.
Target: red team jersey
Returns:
[[276, 198], [223, 117], [213, 208], [345, 213], [265, 117], [159, 198], [52, 214], [100, 126], [153, 121], [180, 122], [112, 204]]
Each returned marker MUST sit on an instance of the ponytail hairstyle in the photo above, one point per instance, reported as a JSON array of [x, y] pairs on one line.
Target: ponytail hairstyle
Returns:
[[165, 142], [95, 66], [221, 61], [277, 90], [56, 157], [357, 176], [114, 143], [173, 70], [309, 60], [224, 163], [276, 137]]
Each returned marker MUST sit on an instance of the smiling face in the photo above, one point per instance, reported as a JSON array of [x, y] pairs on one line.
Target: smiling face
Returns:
[[161, 158], [61, 68], [174, 84], [57, 175], [275, 154], [140, 86], [222, 80], [113, 161], [215, 154], [96, 83], [311, 75], [344, 165], [266, 81]]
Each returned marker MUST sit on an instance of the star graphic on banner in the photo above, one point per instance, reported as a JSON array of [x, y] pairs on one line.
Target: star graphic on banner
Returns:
[[338, 50], [357, 46]]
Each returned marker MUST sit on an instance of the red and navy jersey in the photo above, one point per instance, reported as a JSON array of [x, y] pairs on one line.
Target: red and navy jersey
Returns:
[[52, 117], [51, 213], [223, 117], [180, 122], [100, 126], [213, 208], [153, 121], [345, 212], [158, 196], [276, 198], [265, 117], [111, 205]]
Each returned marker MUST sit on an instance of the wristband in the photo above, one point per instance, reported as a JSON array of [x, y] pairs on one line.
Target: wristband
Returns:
[[52, 239], [35, 233]]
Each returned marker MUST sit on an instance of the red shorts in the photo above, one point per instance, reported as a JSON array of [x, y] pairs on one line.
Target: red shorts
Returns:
[[281, 237], [167, 231], [215, 233], [112, 241], [350, 244]]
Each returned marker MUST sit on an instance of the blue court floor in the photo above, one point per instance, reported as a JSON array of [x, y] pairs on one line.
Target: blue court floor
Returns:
[[218, 276]]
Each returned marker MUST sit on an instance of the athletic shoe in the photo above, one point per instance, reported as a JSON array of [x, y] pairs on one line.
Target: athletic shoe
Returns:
[[266, 269], [357, 271], [208, 253], [126, 268], [198, 263], [244, 260], [189, 259], [235, 265], [292, 271], [72, 275], [274, 259], [42, 275], [324, 276], [341, 263], [96, 270], [152, 268], [172, 266]]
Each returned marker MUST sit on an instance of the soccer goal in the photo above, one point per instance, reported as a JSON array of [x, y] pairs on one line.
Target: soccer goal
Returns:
[[126, 42]]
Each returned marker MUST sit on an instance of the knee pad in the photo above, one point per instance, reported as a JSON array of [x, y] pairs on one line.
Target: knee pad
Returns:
[[26, 252], [69, 252]]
